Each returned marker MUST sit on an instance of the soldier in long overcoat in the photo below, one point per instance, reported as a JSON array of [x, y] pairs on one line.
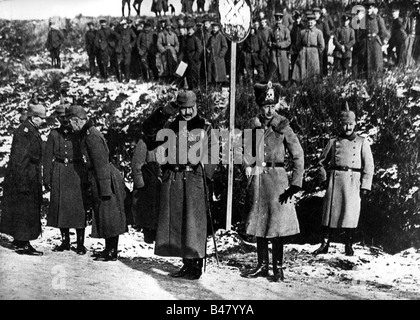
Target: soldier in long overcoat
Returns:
[[265, 31], [398, 38], [323, 26], [106, 182], [65, 176], [371, 41], [22, 188], [349, 162], [271, 215], [101, 44], [168, 47], [344, 40], [413, 40], [217, 48], [279, 41], [312, 45], [127, 41], [295, 38], [147, 47], [55, 40], [254, 52], [192, 56], [90, 47], [182, 226], [147, 179]]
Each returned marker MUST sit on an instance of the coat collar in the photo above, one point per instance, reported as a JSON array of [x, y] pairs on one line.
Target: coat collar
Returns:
[[350, 137], [85, 128]]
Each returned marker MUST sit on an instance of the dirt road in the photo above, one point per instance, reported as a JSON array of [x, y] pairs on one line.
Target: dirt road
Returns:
[[66, 275]]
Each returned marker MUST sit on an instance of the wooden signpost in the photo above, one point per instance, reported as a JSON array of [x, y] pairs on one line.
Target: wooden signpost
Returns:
[[235, 21]]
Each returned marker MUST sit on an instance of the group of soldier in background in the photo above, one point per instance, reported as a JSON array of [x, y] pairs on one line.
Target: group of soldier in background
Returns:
[[290, 49]]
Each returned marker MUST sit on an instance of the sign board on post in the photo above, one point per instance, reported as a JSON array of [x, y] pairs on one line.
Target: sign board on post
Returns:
[[235, 21]]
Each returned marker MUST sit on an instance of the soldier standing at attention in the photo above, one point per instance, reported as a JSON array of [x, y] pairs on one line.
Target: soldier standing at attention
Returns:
[[271, 215], [101, 43], [349, 160], [126, 42], [372, 40], [312, 45], [90, 47], [323, 26], [398, 38], [182, 226], [279, 42], [192, 56], [22, 195], [107, 183], [54, 41], [344, 41], [65, 176]]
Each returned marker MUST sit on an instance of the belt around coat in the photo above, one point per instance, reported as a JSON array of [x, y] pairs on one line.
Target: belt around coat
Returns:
[[344, 168], [68, 160]]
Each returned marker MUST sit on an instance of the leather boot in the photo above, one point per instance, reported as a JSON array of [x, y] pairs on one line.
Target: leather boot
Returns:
[[196, 269], [277, 254], [184, 269], [102, 254], [113, 251], [65, 244], [27, 249], [323, 248], [261, 270], [348, 246], [80, 241]]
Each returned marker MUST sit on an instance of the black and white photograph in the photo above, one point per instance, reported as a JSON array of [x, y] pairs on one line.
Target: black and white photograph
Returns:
[[210, 154]]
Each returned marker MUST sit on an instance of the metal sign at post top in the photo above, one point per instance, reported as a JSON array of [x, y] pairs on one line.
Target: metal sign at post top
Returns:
[[235, 19]]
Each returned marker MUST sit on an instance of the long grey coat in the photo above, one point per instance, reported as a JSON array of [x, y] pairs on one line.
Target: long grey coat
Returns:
[[22, 196], [67, 180], [281, 41], [182, 226], [341, 207], [308, 62], [216, 67], [108, 192], [267, 217]]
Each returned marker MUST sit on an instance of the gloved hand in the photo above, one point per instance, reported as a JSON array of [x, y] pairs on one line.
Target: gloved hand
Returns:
[[288, 194], [171, 109]]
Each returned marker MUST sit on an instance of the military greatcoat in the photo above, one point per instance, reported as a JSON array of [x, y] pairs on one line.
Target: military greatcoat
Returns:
[[341, 207], [107, 183], [308, 61], [65, 172], [182, 226], [267, 217], [22, 195]]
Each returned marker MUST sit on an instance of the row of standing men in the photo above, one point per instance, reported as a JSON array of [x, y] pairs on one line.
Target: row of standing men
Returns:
[[294, 48], [171, 201]]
